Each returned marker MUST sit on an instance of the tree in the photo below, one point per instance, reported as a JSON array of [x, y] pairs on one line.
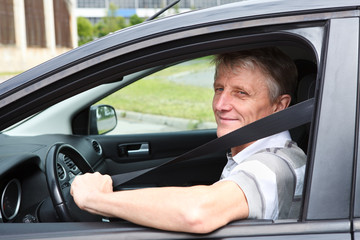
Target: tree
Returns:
[[135, 19], [85, 30], [110, 23]]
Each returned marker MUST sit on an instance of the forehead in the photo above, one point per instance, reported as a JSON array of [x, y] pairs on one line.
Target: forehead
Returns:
[[242, 74]]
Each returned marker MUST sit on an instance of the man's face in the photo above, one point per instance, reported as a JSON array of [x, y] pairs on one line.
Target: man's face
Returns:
[[240, 98]]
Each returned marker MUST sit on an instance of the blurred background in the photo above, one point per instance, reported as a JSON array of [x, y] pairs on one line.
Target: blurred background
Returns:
[[33, 31]]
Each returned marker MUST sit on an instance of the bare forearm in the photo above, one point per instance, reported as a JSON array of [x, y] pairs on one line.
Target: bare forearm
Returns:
[[172, 208], [163, 208]]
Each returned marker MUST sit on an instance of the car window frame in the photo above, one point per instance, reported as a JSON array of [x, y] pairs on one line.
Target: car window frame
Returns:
[[326, 130]]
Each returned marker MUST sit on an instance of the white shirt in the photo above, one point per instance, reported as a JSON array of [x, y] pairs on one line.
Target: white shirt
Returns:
[[265, 171], [277, 140]]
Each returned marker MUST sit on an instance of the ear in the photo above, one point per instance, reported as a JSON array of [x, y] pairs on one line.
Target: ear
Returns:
[[282, 102]]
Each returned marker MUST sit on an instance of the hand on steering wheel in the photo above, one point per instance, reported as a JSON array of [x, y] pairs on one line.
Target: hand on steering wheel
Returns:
[[63, 202]]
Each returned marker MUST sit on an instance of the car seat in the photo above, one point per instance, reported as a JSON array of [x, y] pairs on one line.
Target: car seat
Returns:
[[305, 90]]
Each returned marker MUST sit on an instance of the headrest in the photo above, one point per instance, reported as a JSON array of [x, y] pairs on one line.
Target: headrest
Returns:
[[307, 77], [306, 87]]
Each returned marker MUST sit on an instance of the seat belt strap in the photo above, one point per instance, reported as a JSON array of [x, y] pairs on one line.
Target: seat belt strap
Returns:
[[286, 119]]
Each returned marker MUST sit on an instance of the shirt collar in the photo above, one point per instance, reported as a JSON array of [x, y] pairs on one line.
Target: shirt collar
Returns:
[[276, 140]]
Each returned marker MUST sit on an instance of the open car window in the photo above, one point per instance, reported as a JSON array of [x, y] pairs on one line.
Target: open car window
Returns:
[[177, 98]]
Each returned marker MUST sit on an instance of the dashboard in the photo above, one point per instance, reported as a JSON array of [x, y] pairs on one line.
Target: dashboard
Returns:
[[11, 199], [24, 193]]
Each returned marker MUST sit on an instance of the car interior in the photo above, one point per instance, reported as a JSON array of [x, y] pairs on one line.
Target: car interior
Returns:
[[37, 166]]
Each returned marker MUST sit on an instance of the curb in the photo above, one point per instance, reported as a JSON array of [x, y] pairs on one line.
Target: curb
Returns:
[[179, 123]]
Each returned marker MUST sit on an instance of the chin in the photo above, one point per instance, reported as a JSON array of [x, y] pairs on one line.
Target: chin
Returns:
[[223, 132]]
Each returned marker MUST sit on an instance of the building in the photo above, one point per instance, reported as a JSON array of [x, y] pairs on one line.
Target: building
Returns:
[[94, 10], [33, 31]]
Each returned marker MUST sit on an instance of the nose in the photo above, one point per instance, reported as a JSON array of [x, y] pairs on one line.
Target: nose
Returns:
[[222, 101]]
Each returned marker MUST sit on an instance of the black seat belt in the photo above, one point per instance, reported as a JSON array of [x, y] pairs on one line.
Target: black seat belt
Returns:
[[286, 119]]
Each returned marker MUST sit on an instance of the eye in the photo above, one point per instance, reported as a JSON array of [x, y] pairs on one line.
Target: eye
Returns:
[[218, 89], [242, 92]]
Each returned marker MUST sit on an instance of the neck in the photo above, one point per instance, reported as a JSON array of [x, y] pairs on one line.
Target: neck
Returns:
[[237, 149]]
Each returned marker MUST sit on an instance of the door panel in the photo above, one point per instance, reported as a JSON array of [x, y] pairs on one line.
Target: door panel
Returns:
[[246, 230], [163, 147]]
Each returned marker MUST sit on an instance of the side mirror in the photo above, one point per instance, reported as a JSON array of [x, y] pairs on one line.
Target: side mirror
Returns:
[[102, 119]]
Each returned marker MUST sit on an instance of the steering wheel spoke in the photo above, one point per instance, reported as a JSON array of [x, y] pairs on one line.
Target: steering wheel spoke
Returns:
[[59, 175]]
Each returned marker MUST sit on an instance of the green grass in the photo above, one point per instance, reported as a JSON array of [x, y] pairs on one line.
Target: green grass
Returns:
[[162, 97]]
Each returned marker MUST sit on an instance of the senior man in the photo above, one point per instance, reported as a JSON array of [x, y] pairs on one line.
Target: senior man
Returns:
[[261, 180]]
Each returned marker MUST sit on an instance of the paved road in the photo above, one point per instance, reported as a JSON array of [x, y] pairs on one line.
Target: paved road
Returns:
[[131, 126], [198, 78], [147, 123]]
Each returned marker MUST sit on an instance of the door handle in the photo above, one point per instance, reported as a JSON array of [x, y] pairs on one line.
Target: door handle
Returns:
[[141, 149]]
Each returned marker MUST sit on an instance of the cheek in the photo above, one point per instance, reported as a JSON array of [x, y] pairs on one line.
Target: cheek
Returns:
[[265, 111], [243, 108], [214, 102], [251, 112]]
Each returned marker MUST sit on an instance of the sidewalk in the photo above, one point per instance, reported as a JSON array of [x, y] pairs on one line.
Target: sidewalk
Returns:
[[133, 122]]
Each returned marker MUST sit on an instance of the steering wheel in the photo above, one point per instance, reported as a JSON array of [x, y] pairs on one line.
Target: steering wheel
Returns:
[[59, 191]]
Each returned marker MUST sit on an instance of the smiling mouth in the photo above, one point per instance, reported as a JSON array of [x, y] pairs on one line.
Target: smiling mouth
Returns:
[[226, 120]]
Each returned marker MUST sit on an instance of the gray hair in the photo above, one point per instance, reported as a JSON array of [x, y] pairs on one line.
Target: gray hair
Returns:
[[279, 69]]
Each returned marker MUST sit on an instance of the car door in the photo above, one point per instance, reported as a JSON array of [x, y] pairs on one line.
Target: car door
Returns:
[[323, 216], [355, 214], [328, 191]]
